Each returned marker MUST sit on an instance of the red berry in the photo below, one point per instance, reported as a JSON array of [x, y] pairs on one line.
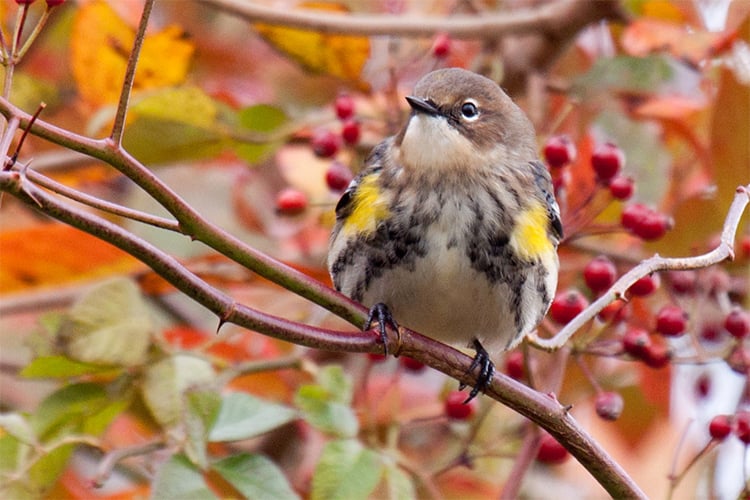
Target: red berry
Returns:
[[376, 357], [25, 2], [609, 405], [550, 451], [742, 426], [350, 132], [621, 187], [656, 356], [739, 360], [599, 274], [441, 47], [671, 321], [607, 161], [54, 3], [614, 312], [744, 252], [632, 215], [737, 323], [635, 342], [455, 407], [325, 143], [338, 176], [344, 106], [291, 201], [515, 365], [652, 226], [559, 150], [411, 364], [720, 427], [711, 332], [703, 386], [567, 305], [645, 286], [683, 282]]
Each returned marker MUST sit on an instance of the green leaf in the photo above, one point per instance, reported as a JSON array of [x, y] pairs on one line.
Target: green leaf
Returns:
[[346, 470], [202, 408], [624, 74], [47, 470], [98, 421], [175, 124], [178, 478], [261, 118], [255, 477], [109, 325], [166, 381], [242, 416], [69, 404], [13, 453], [326, 404], [14, 424], [60, 367], [399, 484], [338, 385]]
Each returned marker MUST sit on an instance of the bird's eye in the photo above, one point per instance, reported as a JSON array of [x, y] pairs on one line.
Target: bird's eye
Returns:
[[469, 110]]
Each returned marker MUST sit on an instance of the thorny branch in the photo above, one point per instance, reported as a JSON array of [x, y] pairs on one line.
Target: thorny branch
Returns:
[[540, 408]]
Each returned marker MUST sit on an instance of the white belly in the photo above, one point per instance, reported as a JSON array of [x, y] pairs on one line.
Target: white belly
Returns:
[[444, 298]]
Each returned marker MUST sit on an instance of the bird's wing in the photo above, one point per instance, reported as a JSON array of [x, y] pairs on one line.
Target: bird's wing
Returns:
[[544, 183]]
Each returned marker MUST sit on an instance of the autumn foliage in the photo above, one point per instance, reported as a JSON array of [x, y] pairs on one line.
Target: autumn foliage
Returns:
[[166, 326]]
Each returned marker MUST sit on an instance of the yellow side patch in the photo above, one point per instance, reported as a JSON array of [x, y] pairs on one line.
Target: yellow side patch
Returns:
[[530, 238], [369, 207]]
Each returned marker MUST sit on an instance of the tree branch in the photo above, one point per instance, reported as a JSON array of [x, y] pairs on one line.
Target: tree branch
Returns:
[[98, 203], [190, 221], [542, 409], [181, 278], [545, 18], [724, 251]]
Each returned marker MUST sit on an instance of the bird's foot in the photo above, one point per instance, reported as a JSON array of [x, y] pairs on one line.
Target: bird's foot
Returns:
[[486, 371], [382, 315]]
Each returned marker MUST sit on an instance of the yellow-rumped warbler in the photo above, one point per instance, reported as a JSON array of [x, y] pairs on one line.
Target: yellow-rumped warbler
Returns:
[[452, 225]]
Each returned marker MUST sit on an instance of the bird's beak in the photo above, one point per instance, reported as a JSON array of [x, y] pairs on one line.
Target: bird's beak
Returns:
[[422, 106]]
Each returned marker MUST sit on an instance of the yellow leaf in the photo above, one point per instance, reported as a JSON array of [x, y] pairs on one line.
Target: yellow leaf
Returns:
[[100, 44], [342, 56]]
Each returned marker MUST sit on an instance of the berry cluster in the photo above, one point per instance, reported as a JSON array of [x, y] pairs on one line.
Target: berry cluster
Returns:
[[326, 144], [607, 162], [722, 426]]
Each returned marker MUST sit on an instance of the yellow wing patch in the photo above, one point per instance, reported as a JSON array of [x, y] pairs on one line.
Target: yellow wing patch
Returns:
[[368, 207], [530, 238]]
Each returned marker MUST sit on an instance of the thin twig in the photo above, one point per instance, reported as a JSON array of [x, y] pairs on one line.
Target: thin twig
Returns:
[[34, 34], [656, 263], [118, 127], [12, 160], [111, 459], [99, 204]]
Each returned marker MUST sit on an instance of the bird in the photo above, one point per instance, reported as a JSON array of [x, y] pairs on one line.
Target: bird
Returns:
[[451, 227]]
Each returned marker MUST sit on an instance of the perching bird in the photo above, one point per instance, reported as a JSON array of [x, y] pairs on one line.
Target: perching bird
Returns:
[[451, 228]]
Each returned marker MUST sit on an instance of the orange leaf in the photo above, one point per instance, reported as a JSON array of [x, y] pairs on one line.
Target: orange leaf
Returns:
[[645, 36], [100, 44], [53, 254], [342, 56]]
